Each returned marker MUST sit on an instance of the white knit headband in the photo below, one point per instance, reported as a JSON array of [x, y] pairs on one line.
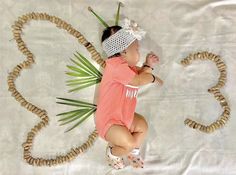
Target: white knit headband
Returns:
[[120, 40]]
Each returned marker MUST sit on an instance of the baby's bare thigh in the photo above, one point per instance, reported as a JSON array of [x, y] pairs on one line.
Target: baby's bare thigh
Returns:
[[119, 135], [139, 124]]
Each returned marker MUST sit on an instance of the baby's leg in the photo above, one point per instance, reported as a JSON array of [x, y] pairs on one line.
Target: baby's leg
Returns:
[[138, 129], [121, 139]]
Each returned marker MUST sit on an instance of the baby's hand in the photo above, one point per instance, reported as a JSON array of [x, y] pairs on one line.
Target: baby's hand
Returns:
[[152, 59], [158, 81]]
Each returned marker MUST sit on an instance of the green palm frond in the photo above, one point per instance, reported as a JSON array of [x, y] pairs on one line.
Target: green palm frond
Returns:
[[83, 111], [83, 72]]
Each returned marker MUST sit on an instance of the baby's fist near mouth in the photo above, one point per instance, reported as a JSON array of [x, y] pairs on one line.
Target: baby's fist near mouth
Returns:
[[152, 59]]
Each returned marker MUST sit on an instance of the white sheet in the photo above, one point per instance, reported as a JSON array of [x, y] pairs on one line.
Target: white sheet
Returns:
[[175, 29]]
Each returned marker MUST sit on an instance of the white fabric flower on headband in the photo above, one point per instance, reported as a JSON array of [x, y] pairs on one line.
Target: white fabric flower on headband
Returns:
[[132, 27]]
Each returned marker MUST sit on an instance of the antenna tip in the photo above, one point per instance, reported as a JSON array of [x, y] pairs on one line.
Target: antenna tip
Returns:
[[121, 4], [90, 9]]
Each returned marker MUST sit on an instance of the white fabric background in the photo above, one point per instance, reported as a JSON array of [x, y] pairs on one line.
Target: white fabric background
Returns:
[[175, 29]]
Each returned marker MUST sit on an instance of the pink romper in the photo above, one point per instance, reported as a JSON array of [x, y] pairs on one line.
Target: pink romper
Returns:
[[116, 99]]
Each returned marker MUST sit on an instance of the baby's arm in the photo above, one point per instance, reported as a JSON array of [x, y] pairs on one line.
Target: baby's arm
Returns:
[[144, 69], [144, 78], [145, 75]]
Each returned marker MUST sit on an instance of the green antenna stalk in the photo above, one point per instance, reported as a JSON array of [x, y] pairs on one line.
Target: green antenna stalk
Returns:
[[99, 18], [118, 13]]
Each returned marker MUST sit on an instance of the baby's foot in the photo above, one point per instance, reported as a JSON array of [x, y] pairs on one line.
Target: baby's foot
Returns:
[[114, 161], [135, 158]]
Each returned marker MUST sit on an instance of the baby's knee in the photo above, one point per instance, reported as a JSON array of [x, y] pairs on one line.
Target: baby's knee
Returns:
[[142, 125], [145, 124]]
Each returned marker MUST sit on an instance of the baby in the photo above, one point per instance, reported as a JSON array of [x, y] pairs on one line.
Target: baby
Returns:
[[115, 118]]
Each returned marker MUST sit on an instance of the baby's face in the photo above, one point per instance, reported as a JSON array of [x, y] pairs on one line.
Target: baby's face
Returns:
[[132, 53]]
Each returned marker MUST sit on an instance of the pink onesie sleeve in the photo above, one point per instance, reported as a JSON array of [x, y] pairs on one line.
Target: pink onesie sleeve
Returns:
[[123, 73]]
